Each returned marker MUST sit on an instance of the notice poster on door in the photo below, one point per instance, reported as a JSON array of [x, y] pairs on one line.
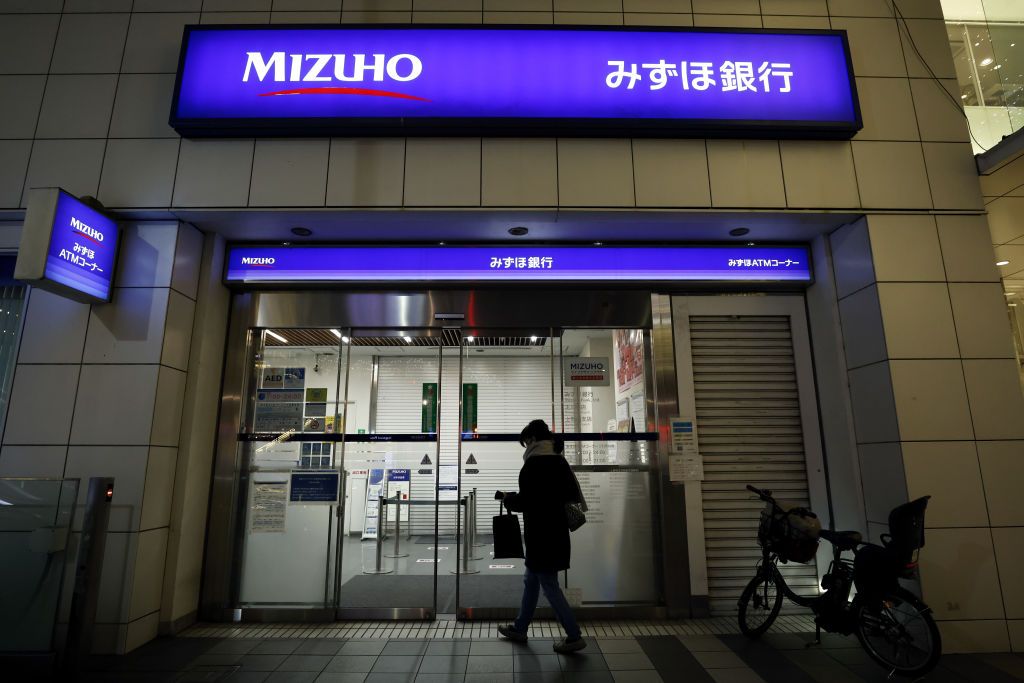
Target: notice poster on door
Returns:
[[399, 482], [278, 410], [268, 504], [316, 402], [374, 490], [283, 378], [628, 358]]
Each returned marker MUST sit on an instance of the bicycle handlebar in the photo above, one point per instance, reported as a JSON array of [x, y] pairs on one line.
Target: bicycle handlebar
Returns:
[[763, 494]]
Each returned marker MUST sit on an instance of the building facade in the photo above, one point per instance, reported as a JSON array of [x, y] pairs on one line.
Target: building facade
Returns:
[[914, 390]]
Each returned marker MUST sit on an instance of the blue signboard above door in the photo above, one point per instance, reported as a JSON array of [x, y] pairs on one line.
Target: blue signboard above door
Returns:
[[248, 264], [513, 81]]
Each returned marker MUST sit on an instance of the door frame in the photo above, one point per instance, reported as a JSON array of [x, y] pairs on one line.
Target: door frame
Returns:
[[793, 306]]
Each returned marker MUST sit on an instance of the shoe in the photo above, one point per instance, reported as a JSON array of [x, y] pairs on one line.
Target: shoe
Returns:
[[565, 646], [509, 633]]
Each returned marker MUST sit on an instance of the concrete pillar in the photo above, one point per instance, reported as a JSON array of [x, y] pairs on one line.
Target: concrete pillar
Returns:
[[937, 409]]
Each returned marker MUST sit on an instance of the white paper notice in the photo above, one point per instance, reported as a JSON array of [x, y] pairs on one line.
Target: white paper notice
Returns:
[[267, 507]]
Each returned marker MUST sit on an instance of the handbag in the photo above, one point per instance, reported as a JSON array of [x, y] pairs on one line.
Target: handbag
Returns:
[[575, 516], [508, 539], [575, 512]]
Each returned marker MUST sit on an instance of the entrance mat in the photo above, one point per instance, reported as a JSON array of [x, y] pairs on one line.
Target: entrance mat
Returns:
[[486, 539], [388, 590]]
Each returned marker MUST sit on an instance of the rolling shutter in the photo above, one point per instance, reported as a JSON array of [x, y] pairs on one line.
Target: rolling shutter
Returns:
[[749, 431]]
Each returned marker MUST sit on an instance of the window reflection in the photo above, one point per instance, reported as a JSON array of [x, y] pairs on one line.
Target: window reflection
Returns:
[[986, 38]]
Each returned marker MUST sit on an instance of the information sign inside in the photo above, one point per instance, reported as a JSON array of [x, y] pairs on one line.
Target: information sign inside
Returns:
[[314, 487], [298, 264], [586, 371], [247, 80], [67, 247]]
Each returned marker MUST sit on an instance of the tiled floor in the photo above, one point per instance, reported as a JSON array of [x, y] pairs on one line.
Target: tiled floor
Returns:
[[622, 653]]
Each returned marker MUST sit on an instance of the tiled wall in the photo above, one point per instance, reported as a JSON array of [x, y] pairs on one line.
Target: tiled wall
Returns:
[[929, 363], [98, 391], [95, 84], [938, 409]]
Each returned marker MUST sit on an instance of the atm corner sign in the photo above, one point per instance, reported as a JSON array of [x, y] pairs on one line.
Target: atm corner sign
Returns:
[[67, 247], [586, 371]]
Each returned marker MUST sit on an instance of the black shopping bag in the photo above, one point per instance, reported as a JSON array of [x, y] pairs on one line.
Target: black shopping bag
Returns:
[[508, 540]]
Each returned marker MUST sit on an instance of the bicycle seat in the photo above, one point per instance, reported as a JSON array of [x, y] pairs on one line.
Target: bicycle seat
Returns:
[[844, 540]]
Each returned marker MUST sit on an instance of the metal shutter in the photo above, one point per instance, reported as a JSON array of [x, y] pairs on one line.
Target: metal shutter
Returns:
[[749, 431]]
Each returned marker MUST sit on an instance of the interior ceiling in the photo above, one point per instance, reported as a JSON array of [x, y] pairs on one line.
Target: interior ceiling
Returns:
[[446, 337], [332, 225]]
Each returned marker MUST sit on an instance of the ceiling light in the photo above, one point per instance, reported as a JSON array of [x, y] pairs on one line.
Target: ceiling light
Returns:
[[276, 336], [986, 61], [408, 340], [963, 97], [345, 340], [598, 244], [336, 333], [470, 339], [533, 339], [1002, 263], [998, 66]]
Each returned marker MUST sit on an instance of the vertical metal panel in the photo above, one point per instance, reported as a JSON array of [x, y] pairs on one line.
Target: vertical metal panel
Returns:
[[671, 502], [220, 569], [750, 430]]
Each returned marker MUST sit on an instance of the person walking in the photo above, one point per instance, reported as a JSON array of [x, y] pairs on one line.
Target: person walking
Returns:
[[546, 484]]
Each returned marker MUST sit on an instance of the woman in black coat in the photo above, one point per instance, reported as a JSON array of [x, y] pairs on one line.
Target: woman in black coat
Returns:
[[546, 484]]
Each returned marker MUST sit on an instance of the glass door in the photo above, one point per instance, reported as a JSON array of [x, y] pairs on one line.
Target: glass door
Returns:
[[288, 464], [594, 387], [398, 492]]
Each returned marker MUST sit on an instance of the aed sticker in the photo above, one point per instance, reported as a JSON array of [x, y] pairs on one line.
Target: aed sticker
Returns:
[[427, 560], [501, 566], [440, 547]]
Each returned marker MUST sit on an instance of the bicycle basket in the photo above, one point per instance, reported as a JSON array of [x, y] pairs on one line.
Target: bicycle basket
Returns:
[[906, 530], [791, 533]]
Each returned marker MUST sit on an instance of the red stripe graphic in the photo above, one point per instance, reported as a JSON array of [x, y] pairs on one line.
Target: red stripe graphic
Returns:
[[88, 237], [344, 91]]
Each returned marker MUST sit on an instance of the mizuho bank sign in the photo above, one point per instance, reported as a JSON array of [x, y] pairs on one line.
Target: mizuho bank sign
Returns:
[[514, 81]]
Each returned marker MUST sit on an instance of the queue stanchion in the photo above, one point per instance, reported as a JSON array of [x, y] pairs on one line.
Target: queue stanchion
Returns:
[[379, 569], [471, 527], [398, 526], [466, 548], [475, 530]]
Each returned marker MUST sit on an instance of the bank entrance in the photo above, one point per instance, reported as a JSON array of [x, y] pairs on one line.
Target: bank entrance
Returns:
[[364, 434]]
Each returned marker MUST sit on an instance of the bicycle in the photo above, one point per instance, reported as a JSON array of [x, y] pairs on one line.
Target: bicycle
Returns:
[[893, 625]]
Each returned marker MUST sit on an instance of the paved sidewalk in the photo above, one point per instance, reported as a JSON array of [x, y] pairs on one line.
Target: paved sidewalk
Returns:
[[266, 654]]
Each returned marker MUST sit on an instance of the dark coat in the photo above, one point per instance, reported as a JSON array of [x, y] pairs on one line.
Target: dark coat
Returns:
[[546, 484]]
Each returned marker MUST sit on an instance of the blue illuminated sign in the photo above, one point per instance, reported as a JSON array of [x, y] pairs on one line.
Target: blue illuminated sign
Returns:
[[83, 247], [67, 247], [517, 80], [500, 263]]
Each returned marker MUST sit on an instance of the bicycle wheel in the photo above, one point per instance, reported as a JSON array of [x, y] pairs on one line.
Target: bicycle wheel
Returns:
[[760, 602], [899, 633]]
